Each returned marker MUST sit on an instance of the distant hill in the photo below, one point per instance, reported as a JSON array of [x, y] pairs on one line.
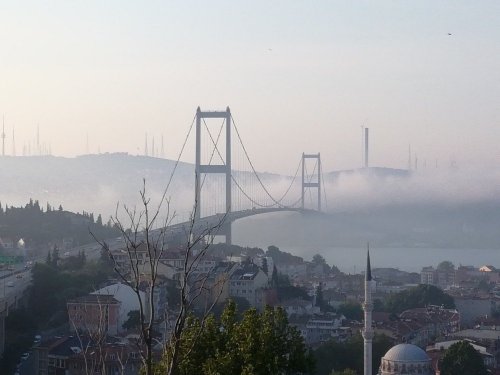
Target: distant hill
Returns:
[[421, 208], [90, 182], [98, 182]]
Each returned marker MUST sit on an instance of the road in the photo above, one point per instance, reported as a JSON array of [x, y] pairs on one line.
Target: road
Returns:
[[12, 286]]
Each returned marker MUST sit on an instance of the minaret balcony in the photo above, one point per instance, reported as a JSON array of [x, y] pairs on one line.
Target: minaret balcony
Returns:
[[368, 335]]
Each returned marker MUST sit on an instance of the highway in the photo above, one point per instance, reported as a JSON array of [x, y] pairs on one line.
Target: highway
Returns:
[[12, 286]]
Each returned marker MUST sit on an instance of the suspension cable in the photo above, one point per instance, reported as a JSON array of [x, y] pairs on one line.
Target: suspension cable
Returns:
[[178, 158], [215, 146], [278, 203], [310, 179], [324, 189]]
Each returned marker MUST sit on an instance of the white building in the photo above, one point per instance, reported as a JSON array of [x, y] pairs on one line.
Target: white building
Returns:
[[323, 328], [245, 281], [127, 298]]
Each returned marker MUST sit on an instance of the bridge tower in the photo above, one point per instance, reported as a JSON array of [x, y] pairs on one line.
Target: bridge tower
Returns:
[[224, 168], [311, 184]]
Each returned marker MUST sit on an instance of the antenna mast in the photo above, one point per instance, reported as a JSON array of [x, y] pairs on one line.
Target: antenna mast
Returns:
[[409, 157], [13, 143], [162, 149], [3, 135]]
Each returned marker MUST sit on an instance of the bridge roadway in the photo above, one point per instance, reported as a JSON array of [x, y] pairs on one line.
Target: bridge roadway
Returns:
[[217, 221], [221, 220]]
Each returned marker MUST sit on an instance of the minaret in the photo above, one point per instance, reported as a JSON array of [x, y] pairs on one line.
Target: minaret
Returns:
[[368, 307]]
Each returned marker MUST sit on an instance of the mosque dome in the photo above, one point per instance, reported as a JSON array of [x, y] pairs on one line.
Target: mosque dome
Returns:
[[405, 359]]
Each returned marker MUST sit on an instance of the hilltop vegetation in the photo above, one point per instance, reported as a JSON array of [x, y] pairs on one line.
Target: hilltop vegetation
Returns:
[[38, 226]]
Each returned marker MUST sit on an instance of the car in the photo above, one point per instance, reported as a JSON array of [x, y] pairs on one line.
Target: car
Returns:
[[37, 339], [10, 284], [19, 276], [25, 356]]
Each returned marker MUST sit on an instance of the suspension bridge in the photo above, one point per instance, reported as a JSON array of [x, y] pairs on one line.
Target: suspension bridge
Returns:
[[228, 186]]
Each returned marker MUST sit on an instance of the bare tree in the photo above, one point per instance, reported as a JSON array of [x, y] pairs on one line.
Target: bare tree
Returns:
[[195, 250], [91, 328], [145, 236]]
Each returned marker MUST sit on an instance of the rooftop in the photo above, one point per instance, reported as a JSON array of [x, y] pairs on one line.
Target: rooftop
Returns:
[[95, 299]]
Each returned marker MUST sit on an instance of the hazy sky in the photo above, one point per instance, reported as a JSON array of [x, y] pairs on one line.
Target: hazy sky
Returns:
[[298, 76]]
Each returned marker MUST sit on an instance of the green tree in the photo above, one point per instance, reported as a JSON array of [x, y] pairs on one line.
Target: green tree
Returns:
[[319, 296], [20, 327], [446, 265], [261, 343], [336, 356], [274, 277], [55, 256], [282, 257], [52, 287], [351, 310], [48, 261], [264, 266], [462, 358], [82, 258], [419, 296], [133, 320], [318, 259]]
